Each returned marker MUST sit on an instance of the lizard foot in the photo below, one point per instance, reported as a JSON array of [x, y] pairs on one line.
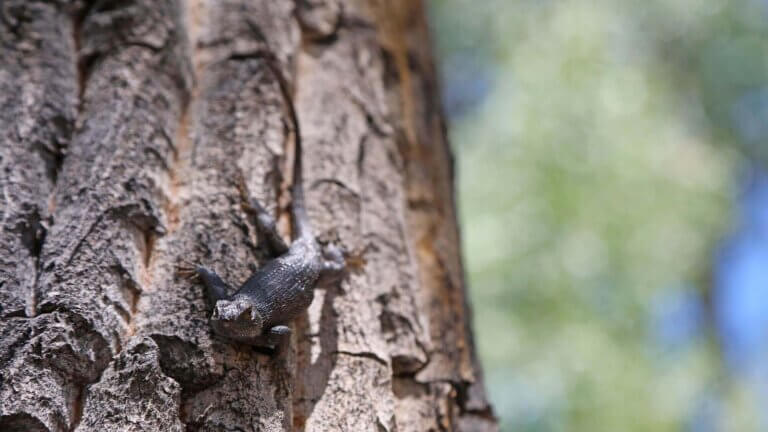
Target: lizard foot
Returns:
[[273, 341], [187, 270]]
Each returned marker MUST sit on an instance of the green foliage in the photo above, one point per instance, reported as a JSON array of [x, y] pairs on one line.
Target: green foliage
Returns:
[[596, 176]]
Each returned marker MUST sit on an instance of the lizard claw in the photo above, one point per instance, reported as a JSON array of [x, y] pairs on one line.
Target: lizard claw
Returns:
[[187, 269]]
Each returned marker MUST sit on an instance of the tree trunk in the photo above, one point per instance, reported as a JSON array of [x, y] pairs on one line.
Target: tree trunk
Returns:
[[125, 126]]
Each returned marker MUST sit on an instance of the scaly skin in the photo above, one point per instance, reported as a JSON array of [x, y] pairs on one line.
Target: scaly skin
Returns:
[[258, 313]]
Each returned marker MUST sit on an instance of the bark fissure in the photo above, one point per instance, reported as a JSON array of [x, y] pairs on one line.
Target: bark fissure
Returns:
[[83, 64], [32, 154], [77, 407], [38, 80], [366, 355], [37, 240]]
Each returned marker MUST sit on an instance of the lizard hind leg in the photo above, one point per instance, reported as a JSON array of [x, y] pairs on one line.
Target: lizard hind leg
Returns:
[[267, 227]]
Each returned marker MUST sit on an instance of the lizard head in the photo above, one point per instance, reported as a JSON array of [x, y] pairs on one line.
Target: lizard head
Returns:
[[236, 319]]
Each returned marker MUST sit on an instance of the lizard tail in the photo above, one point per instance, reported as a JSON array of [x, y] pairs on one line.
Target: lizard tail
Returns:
[[301, 227], [299, 214]]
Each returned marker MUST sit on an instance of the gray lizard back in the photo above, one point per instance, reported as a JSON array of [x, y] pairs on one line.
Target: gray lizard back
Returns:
[[283, 288]]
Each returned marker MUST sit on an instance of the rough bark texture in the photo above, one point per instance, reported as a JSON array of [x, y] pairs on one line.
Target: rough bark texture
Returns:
[[126, 126]]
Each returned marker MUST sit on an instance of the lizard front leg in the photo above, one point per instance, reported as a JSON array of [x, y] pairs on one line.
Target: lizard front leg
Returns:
[[273, 340], [215, 288]]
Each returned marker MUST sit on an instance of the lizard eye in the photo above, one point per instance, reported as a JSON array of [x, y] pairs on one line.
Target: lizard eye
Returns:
[[246, 314], [216, 314]]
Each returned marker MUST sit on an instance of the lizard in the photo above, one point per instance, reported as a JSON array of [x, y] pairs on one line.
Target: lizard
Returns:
[[258, 313]]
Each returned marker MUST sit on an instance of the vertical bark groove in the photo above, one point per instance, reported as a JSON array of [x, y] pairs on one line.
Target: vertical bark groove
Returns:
[[452, 371], [37, 116]]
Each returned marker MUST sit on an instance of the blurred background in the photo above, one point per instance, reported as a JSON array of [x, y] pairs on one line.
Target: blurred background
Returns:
[[613, 193]]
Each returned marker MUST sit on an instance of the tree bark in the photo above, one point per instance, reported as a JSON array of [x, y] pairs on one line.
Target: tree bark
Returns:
[[125, 127]]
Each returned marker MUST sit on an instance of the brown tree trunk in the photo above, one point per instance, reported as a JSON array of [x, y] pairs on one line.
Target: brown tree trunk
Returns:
[[125, 125]]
